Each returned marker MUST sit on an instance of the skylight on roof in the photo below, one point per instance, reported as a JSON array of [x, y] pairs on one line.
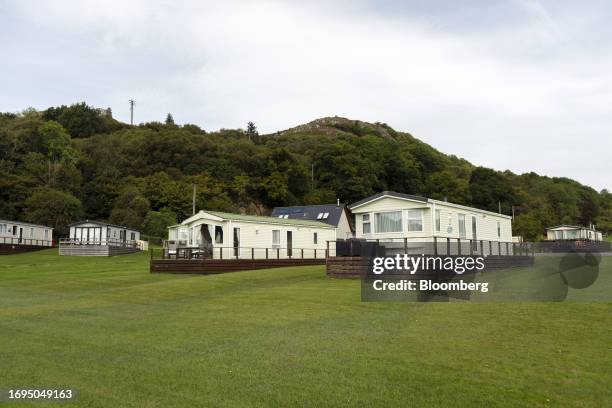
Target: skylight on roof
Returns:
[[319, 216], [325, 216]]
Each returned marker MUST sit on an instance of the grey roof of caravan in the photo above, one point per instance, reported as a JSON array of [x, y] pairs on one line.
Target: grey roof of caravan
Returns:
[[311, 212], [24, 223]]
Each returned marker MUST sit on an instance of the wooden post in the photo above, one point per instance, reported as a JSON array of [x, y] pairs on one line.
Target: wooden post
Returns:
[[302, 253], [252, 253], [266, 253], [471, 247], [277, 253], [435, 245], [499, 248], [447, 246], [220, 252], [315, 253], [507, 249], [490, 248], [327, 251], [405, 245], [513, 249], [458, 246]]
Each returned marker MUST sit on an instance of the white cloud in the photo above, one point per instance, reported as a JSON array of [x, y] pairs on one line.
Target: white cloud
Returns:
[[520, 93]]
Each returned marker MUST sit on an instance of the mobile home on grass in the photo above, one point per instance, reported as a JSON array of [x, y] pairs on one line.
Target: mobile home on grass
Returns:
[[16, 236], [94, 238], [391, 216], [219, 235], [573, 232]]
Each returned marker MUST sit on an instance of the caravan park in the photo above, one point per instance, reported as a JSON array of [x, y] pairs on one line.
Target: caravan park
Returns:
[[305, 204]]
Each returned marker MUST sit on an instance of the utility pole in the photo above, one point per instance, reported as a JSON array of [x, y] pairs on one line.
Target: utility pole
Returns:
[[193, 199], [512, 213], [312, 175], [132, 103]]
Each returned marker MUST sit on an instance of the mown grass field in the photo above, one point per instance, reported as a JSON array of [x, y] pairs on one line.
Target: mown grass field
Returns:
[[122, 337]]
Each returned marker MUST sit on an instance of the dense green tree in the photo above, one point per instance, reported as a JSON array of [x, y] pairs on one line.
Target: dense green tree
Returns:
[[251, 131], [156, 223], [54, 208], [130, 209], [489, 189], [79, 119], [169, 120], [528, 226]]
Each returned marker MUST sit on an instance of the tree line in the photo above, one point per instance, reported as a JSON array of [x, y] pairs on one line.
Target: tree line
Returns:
[[72, 162]]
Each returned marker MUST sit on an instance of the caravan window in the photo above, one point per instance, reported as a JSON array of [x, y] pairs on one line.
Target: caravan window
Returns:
[[315, 239], [389, 221], [218, 234], [498, 229], [437, 220], [461, 219], [275, 238], [415, 220], [366, 223]]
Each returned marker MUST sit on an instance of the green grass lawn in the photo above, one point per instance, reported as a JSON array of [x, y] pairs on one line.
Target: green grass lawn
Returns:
[[121, 336]]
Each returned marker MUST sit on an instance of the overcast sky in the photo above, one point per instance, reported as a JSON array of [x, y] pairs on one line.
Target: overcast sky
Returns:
[[523, 85]]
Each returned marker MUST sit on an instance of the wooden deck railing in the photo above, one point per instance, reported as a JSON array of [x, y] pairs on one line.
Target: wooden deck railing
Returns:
[[25, 241], [109, 242], [432, 246], [190, 253]]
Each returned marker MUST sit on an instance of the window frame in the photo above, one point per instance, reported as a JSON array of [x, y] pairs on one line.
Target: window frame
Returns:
[[219, 228], [460, 221], [401, 220], [408, 219], [364, 223]]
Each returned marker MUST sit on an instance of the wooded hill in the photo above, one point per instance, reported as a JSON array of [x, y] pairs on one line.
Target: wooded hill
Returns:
[[73, 162]]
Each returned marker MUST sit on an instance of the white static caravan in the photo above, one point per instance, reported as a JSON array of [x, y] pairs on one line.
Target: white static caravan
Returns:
[[100, 233], [228, 236], [573, 232], [23, 233], [390, 216]]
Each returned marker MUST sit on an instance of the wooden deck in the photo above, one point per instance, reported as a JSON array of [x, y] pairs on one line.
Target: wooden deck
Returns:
[[71, 247], [216, 266], [95, 250], [12, 249]]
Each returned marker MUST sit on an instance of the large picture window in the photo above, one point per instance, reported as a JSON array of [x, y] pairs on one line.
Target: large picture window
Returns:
[[415, 220], [366, 226], [389, 221]]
